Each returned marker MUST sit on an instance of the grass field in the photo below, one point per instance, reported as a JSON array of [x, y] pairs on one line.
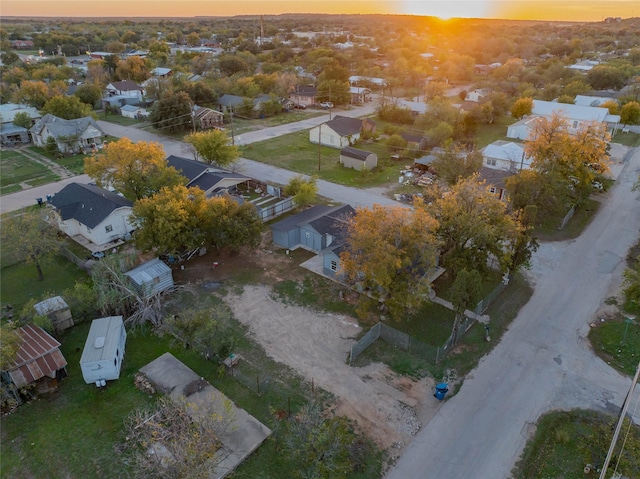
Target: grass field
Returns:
[[73, 163], [16, 168], [618, 343], [566, 442], [547, 226], [294, 152]]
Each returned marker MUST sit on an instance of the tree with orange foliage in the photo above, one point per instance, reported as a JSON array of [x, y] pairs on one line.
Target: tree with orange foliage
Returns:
[[136, 170], [389, 254]]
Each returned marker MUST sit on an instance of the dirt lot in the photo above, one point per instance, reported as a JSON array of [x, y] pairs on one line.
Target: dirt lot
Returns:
[[385, 406]]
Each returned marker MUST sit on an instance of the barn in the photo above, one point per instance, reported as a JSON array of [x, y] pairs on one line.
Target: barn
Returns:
[[151, 278], [104, 350]]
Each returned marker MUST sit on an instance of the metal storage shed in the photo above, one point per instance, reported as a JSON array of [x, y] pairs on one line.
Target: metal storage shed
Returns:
[[104, 350], [57, 310], [151, 278]]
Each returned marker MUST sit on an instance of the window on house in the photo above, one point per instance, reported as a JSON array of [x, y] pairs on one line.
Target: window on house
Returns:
[[492, 190], [491, 161], [108, 228], [88, 230], [334, 265], [575, 124]]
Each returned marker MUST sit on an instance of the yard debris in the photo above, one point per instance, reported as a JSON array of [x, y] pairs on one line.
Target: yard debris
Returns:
[[142, 383]]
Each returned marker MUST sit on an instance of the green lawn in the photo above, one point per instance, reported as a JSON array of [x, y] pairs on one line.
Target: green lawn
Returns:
[[618, 343], [487, 134], [73, 163], [295, 152], [120, 120], [565, 442], [546, 227], [20, 281], [241, 125], [16, 168], [627, 139]]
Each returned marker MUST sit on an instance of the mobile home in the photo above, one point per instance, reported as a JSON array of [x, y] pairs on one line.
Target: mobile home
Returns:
[[104, 350]]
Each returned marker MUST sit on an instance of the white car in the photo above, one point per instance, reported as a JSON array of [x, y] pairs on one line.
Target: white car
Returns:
[[326, 105]]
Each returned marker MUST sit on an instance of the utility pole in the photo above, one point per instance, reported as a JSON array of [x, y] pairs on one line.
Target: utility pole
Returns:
[[319, 144], [623, 413]]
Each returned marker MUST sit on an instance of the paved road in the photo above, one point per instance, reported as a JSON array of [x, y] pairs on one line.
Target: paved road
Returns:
[[543, 361], [254, 169]]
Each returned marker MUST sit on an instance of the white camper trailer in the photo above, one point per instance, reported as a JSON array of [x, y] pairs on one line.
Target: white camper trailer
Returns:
[[104, 350]]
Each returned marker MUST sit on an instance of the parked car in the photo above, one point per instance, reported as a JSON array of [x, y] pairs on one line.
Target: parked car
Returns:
[[326, 105], [298, 106]]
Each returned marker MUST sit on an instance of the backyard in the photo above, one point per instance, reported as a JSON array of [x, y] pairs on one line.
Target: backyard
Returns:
[[18, 171]]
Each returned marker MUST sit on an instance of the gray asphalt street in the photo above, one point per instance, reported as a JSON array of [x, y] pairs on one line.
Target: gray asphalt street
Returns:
[[543, 362]]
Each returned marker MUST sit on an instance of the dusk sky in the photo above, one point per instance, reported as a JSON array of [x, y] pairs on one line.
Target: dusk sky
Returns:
[[566, 10]]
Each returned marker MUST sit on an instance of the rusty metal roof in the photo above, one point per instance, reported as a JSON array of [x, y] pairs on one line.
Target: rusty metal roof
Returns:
[[37, 357]]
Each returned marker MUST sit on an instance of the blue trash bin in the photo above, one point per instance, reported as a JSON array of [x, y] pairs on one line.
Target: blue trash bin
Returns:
[[441, 391]]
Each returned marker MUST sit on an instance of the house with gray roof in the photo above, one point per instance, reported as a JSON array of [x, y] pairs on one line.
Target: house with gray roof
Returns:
[[340, 132], [70, 136], [212, 180], [92, 216], [358, 159], [231, 103], [11, 134], [319, 229], [505, 155]]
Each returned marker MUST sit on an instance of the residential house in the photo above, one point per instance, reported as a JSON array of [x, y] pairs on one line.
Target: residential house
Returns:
[[133, 111], [584, 65], [11, 134], [477, 96], [337, 133], [58, 312], [358, 159], [212, 180], [505, 155], [125, 88], [150, 278], [415, 107], [70, 136], [206, 118], [38, 358], [101, 55], [232, 103], [160, 72], [357, 80], [495, 181], [22, 44], [575, 115], [584, 100], [305, 95], [94, 217], [359, 94], [103, 351], [319, 229]]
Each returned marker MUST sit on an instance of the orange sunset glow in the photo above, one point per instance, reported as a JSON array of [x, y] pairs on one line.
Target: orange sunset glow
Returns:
[[565, 10]]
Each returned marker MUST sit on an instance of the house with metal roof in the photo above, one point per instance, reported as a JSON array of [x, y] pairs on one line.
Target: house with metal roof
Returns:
[[358, 159], [576, 117], [505, 155], [11, 134], [340, 132], [38, 357], [92, 216], [70, 136], [103, 351]]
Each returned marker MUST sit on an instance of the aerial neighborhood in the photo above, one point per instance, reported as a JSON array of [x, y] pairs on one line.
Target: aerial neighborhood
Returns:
[[319, 246]]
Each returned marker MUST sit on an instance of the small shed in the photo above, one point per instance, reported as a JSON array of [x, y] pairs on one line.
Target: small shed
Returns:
[[358, 159], [151, 278], [39, 356], [104, 350], [58, 312]]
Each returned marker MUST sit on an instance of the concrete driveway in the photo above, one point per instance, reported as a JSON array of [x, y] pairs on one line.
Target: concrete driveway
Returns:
[[544, 361]]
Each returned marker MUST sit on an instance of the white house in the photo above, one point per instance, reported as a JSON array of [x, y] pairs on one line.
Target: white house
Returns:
[[103, 352], [70, 136], [358, 159], [94, 217], [337, 133], [505, 155], [575, 115], [132, 111], [125, 88], [477, 96]]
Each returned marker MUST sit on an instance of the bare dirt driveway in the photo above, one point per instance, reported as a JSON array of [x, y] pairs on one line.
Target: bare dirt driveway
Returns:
[[316, 345]]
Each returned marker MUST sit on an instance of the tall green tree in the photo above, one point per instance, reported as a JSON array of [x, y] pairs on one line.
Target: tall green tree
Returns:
[[522, 107], [172, 112], [67, 107], [464, 293], [388, 255], [89, 93], [213, 147], [28, 237], [136, 170], [455, 164], [630, 113], [304, 191]]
